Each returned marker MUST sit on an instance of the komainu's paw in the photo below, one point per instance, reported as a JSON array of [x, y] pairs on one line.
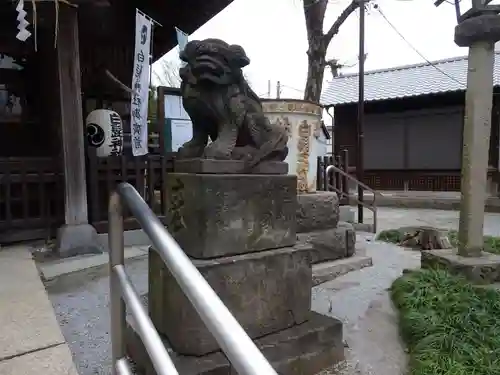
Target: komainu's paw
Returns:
[[245, 153], [213, 151], [189, 152]]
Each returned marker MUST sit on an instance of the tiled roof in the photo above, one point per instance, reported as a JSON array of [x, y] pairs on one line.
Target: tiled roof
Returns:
[[404, 81]]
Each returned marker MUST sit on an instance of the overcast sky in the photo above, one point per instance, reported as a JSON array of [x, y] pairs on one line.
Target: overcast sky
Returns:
[[273, 34]]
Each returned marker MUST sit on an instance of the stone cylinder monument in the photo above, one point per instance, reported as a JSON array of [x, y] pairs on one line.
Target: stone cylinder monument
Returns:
[[302, 121]]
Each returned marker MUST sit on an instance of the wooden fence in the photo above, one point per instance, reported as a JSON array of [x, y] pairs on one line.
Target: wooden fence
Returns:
[[325, 182], [395, 180], [31, 198], [146, 173]]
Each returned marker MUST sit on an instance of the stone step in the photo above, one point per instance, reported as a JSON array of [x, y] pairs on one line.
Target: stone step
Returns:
[[303, 349], [327, 271], [330, 244], [363, 227]]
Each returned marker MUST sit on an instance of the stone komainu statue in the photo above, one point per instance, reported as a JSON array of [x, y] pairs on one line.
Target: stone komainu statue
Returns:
[[222, 106]]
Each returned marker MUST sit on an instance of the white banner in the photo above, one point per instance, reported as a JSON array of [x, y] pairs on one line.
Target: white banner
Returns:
[[182, 39], [140, 85]]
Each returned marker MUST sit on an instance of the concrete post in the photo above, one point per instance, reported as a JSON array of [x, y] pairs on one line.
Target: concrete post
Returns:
[[479, 32], [476, 138]]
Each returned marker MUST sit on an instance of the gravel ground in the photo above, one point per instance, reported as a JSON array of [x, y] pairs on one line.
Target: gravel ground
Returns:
[[81, 302], [360, 299], [391, 218]]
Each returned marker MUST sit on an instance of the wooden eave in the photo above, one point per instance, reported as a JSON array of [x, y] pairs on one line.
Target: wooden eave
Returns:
[[113, 20]]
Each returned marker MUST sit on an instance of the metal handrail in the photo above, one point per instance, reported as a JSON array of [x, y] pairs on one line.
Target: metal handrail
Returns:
[[372, 207], [345, 174], [244, 356]]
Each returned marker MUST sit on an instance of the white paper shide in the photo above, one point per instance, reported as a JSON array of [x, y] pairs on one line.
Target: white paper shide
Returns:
[[140, 86], [22, 25]]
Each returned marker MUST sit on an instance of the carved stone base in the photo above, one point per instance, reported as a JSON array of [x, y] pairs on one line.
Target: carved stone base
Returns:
[[266, 292], [212, 215], [304, 349], [484, 269], [212, 166]]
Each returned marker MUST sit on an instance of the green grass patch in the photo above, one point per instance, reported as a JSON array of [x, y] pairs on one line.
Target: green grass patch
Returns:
[[450, 327], [391, 235], [395, 236]]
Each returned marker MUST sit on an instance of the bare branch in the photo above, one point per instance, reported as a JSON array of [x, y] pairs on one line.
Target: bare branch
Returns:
[[334, 67], [168, 74], [341, 19]]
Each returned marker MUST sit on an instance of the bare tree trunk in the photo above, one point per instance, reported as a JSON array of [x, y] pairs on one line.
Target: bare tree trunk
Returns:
[[314, 12], [315, 70]]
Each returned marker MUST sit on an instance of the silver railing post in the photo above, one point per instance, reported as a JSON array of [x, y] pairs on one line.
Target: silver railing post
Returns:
[[116, 258], [373, 207], [121, 291]]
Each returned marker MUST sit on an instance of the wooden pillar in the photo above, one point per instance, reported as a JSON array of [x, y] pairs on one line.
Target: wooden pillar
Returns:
[[76, 236], [72, 131]]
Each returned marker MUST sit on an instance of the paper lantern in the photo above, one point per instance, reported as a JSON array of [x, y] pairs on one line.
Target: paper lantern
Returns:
[[105, 132]]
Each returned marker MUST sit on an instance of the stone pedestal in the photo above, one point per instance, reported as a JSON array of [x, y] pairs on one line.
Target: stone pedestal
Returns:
[[213, 215], [318, 225], [483, 269], [304, 349], [266, 292], [331, 244], [317, 211], [240, 232]]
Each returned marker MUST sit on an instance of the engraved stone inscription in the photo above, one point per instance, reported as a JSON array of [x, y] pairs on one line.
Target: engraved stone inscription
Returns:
[[177, 203]]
